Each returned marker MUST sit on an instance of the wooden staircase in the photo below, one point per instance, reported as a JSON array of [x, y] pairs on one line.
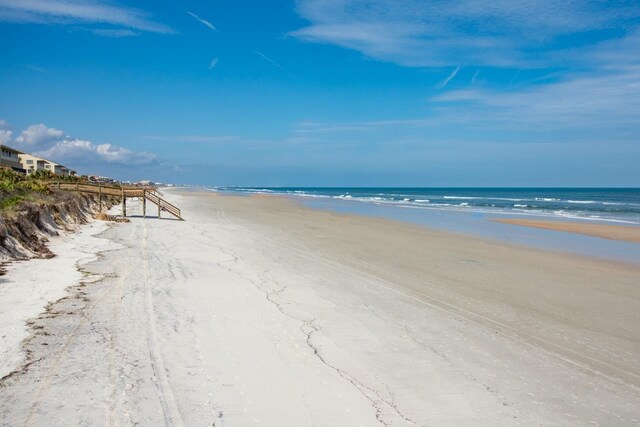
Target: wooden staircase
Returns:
[[124, 192], [162, 204]]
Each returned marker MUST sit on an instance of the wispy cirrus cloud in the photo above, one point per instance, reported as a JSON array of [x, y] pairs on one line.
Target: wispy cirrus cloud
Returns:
[[38, 69], [203, 21], [568, 108], [608, 102], [61, 12], [197, 139], [502, 33], [588, 49], [450, 77], [269, 60], [115, 33]]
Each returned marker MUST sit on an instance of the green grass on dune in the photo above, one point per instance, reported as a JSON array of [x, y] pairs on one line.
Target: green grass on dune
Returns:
[[16, 188]]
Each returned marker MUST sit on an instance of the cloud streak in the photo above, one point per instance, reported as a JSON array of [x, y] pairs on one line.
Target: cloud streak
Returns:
[[450, 77], [65, 12], [203, 21], [114, 33], [269, 60]]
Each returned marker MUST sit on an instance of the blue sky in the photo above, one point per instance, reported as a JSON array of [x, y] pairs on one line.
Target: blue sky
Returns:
[[327, 92]]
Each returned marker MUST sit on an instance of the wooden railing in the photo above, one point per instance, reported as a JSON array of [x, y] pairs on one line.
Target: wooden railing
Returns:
[[146, 193], [162, 204]]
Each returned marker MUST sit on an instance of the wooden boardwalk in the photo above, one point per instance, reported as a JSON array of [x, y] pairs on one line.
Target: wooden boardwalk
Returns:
[[124, 192]]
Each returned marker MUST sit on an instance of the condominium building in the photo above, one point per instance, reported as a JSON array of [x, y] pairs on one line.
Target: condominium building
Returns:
[[32, 164], [9, 157]]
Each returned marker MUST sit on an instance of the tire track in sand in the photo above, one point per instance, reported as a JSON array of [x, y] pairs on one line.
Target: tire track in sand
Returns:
[[85, 316], [168, 403]]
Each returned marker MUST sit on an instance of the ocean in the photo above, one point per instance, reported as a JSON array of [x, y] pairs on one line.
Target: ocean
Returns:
[[621, 205]]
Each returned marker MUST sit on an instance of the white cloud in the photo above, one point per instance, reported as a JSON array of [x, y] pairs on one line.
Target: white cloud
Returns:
[[36, 137], [54, 144], [5, 136], [5, 132], [78, 11], [440, 33], [77, 151], [213, 63], [202, 21]]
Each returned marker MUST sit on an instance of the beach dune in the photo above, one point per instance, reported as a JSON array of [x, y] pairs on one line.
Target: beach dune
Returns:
[[259, 311]]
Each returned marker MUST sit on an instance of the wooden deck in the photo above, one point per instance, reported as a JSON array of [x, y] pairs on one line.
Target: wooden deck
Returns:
[[124, 192]]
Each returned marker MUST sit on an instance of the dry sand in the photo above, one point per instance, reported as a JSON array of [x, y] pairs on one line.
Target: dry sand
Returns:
[[605, 231], [258, 311], [30, 285]]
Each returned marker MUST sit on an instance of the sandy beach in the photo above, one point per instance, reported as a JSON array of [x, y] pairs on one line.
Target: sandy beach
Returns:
[[259, 311]]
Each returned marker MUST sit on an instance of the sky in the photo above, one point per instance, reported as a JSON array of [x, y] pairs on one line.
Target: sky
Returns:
[[327, 92]]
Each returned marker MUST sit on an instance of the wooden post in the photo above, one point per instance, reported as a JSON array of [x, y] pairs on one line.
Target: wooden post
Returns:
[[100, 198], [144, 203], [158, 208], [124, 203]]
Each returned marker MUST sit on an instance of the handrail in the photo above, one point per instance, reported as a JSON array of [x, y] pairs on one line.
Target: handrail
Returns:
[[124, 191], [154, 198]]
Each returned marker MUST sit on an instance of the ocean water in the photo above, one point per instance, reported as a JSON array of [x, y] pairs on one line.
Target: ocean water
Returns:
[[621, 205]]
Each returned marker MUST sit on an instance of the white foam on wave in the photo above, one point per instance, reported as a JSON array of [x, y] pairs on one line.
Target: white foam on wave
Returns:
[[462, 197], [516, 209]]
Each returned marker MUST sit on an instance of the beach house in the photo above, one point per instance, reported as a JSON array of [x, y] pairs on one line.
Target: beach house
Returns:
[[32, 164], [10, 158]]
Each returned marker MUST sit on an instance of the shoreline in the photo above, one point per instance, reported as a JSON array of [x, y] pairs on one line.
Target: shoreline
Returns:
[[481, 225], [353, 319]]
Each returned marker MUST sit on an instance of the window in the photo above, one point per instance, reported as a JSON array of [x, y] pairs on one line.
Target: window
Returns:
[[47, 166], [29, 162]]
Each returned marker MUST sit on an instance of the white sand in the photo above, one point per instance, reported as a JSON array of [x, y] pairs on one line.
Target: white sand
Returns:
[[231, 318], [30, 285]]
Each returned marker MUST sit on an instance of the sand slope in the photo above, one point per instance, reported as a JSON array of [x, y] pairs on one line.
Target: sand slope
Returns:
[[256, 311]]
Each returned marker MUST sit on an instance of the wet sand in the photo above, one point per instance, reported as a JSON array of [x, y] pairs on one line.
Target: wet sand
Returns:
[[605, 231], [259, 311]]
